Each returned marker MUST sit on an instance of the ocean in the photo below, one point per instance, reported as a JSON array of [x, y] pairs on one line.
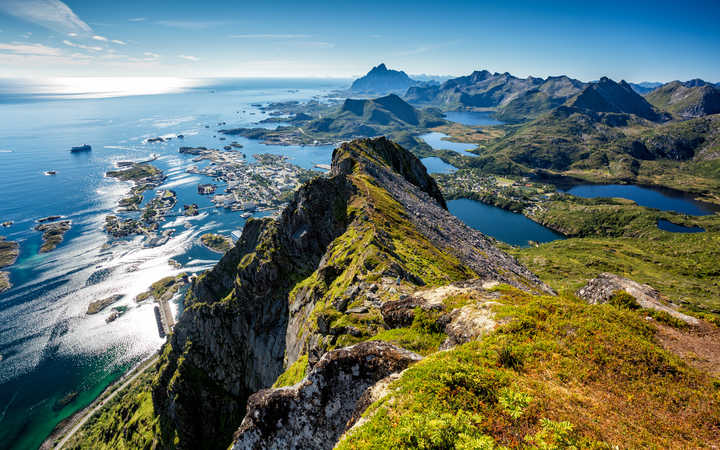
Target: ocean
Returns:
[[49, 346]]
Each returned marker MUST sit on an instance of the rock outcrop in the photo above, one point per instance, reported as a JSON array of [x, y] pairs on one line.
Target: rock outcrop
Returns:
[[601, 290], [315, 412]]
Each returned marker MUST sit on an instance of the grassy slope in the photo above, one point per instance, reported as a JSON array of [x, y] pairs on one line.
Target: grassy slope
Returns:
[[127, 422], [559, 374]]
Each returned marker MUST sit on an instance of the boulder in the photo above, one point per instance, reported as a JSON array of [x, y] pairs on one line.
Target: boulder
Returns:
[[315, 412], [601, 289]]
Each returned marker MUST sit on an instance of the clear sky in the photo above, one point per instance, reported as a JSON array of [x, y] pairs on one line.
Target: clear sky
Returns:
[[632, 40]]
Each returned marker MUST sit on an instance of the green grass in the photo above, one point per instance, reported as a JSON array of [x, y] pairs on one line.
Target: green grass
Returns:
[[294, 373], [127, 422], [582, 376], [684, 267]]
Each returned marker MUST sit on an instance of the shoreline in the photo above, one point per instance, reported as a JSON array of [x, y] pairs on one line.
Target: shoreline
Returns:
[[64, 430]]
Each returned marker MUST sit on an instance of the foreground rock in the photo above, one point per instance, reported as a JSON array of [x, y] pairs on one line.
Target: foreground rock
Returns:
[[606, 285], [53, 234], [314, 413]]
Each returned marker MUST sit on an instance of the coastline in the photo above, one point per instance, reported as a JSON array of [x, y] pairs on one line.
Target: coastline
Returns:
[[64, 430]]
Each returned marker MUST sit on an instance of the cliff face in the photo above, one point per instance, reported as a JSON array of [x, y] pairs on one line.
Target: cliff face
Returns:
[[314, 280]]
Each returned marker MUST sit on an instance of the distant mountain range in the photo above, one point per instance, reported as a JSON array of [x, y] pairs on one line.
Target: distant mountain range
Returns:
[[694, 98], [514, 99], [645, 86], [608, 96]]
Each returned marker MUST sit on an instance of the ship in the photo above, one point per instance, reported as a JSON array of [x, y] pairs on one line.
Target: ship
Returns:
[[82, 148]]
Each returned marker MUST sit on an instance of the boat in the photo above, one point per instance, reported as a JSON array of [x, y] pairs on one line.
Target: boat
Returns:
[[50, 172], [82, 148]]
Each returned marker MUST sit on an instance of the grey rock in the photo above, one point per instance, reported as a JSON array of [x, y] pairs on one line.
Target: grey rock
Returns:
[[601, 289], [314, 413]]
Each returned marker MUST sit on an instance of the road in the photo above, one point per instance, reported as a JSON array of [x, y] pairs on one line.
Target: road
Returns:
[[100, 404]]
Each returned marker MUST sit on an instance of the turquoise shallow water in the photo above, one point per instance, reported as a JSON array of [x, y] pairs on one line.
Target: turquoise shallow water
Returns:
[[49, 346]]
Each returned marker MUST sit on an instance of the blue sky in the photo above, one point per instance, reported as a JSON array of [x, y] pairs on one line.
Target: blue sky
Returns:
[[631, 40]]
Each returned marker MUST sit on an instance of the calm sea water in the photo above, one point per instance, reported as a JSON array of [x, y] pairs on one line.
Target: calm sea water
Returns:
[[509, 227], [49, 346]]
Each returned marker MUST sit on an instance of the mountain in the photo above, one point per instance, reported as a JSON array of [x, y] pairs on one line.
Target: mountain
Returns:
[[607, 130], [381, 80], [645, 86], [373, 117], [367, 316], [514, 98], [694, 98], [608, 96]]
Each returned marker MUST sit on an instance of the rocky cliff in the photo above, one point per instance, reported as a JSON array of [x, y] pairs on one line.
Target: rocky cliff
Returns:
[[314, 279]]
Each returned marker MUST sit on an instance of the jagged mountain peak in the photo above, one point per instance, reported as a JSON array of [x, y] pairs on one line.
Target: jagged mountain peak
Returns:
[[380, 79], [609, 96]]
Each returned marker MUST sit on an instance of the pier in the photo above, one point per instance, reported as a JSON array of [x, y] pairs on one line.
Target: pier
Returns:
[[164, 318]]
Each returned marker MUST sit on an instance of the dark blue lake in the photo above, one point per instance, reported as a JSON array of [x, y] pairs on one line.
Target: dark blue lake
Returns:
[[509, 227], [664, 200], [472, 118], [675, 228]]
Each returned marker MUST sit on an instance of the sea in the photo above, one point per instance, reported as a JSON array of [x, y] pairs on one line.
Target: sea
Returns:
[[54, 358]]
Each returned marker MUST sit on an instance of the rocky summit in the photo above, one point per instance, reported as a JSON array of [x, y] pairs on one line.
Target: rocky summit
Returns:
[[367, 316]]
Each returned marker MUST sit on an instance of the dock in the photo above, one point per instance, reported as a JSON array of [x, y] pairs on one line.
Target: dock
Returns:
[[164, 318]]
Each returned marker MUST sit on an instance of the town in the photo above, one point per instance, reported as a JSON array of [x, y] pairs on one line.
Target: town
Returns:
[[263, 185]]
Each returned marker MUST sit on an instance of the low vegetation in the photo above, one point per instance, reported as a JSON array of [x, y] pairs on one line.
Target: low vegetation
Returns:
[[558, 374]]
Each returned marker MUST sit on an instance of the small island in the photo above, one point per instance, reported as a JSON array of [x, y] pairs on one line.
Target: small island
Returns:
[[53, 234], [98, 305], [216, 242], [163, 289], [9, 251], [143, 176]]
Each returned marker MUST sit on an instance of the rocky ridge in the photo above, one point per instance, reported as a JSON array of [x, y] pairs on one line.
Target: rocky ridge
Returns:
[[314, 280]]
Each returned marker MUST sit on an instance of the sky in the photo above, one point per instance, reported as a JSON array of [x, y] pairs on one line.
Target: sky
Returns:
[[631, 40]]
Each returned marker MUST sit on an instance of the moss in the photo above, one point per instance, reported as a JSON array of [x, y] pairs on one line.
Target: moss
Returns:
[[293, 374], [592, 377]]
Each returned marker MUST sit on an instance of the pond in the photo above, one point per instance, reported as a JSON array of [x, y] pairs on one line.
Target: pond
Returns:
[[662, 199], [472, 118], [509, 227], [437, 165], [436, 141], [666, 225]]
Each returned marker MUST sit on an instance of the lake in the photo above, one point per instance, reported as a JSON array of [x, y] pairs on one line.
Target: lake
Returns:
[[662, 199], [509, 227], [436, 141], [472, 118], [437, 165], [675, 228]]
